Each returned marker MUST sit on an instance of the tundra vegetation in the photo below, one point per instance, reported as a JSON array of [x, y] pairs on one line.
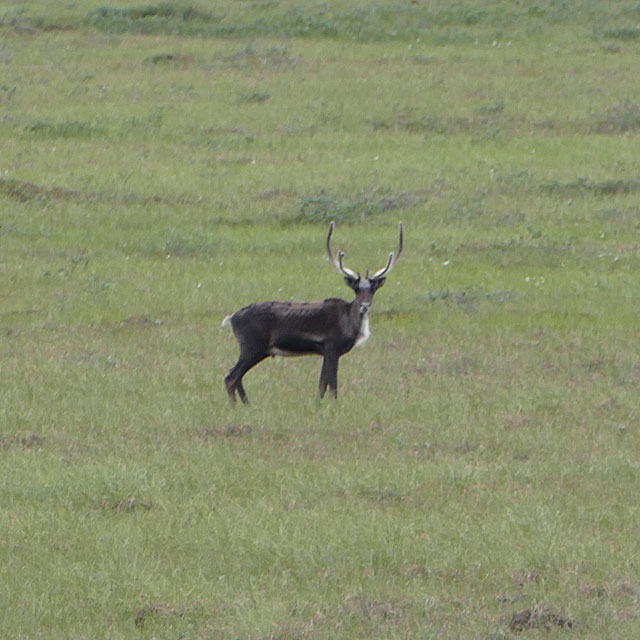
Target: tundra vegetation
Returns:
[[162, 165]]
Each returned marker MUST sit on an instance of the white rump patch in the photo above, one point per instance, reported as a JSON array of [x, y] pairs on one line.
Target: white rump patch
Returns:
[[365, 331], [227, 320]]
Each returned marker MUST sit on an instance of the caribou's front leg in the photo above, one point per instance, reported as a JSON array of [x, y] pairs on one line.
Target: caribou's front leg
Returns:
[[329, 373]]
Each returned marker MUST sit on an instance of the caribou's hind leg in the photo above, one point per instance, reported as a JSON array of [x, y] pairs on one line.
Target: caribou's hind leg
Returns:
[[241, 392], [233, 381]]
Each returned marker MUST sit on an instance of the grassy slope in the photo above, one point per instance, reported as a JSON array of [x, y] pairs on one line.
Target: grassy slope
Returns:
[[483, 456]]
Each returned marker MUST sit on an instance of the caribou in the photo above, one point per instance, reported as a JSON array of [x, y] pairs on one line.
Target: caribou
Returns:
[[329, 328]]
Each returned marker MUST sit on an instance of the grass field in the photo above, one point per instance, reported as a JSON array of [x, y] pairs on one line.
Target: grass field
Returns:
[[162, 165]]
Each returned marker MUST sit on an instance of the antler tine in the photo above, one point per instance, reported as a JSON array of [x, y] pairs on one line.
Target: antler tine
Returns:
[[345, 270], [380, 272], [393, 258], [337, 262]]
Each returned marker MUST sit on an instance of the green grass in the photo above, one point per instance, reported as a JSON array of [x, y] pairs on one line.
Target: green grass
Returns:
[[165, 164]]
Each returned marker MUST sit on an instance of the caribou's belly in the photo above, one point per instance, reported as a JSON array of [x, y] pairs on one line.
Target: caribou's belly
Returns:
[[276, 351], [291, 346]]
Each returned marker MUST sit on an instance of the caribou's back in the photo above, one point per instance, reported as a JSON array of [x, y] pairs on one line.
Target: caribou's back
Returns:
[[291, 328]]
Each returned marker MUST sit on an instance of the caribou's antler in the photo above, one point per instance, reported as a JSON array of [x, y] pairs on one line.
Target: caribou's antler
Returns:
[[393, 258], [337, 262]]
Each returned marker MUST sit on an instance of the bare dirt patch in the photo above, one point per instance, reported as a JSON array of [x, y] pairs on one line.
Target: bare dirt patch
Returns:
[[179, 60], [30, 441], [359, 605], [540, 616], [140, 322], [226, 431], [151, 610], [129, 504], [25, 191]]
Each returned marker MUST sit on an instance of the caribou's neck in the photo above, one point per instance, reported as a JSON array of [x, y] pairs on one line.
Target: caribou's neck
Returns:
[[360, 318]]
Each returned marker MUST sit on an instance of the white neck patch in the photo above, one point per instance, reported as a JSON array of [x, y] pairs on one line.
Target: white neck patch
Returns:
[[365, 330]]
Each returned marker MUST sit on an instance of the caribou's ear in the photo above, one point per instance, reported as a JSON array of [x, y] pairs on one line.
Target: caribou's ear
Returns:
[[378, 283], [351, 282]]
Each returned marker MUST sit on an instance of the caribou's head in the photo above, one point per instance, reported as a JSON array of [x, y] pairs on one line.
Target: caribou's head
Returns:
[[366, 287]]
